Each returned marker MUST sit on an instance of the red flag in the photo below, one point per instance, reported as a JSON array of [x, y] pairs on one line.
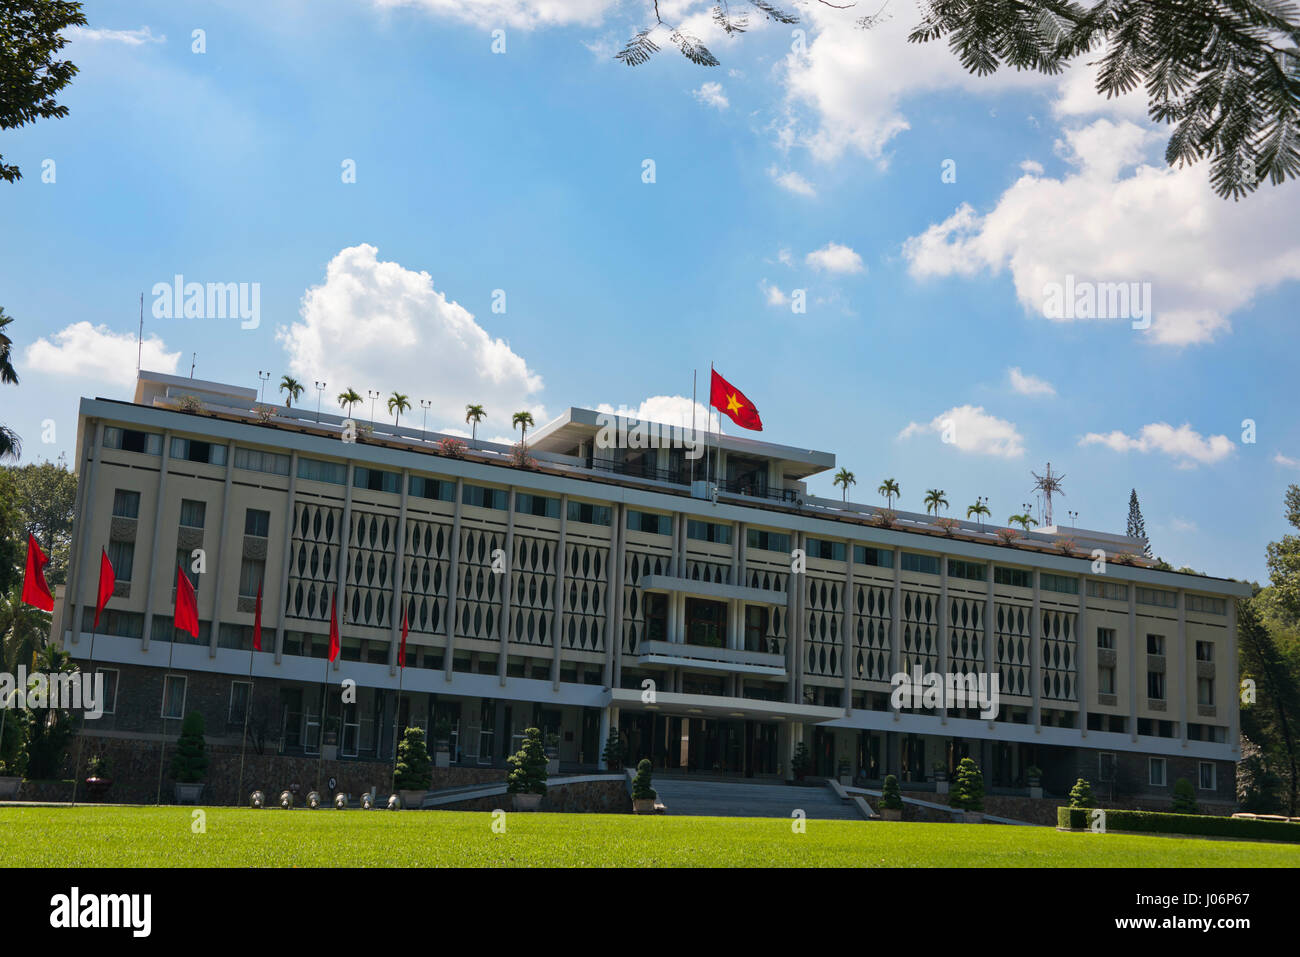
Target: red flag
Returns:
[[187, 605], [334, 628], [36, 591], [401, 649], [106, 582], [257, 620], [733, 403]]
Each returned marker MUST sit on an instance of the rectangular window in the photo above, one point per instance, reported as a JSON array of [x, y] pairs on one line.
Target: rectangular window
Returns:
[[376, 480], [756, 622], [433, 488], [110, 688], [121, 555], [251, 573], [821, 548], [185, 560], [972, 571], [1157, 596], [649, 523], [194, 450], [193, 513], [1106, 680], [126, 504], [1015, 577], [1155, 644], [543, 506], [1156, 685], [239, 691], [132, 440], [925, 564], [879, 557], [173, 703], [768, 541], [1207, 605], [588, 513], [708, 532], [257, 523], [1110, 591], [706, 623], [482, 497], [1106, 638], [1205, 651], [123, 624], [1205, 691], [656, 616], [1059, 583], [254, 460], [1156, 772], [1207, 777], [316, 470]]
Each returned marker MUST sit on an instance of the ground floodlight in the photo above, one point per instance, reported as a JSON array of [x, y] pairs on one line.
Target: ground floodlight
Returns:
[[365, 801], [257, 799], [341, 801], [313, 800], [286, 800], [394, 803]]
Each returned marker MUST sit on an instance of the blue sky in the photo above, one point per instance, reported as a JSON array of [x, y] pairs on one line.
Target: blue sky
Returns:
[[807, 162]]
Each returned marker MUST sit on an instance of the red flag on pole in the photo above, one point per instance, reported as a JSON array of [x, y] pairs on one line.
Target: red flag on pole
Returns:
[[257, 620], [734, 404], [36, 591], [106, 582], [187, 605], [401, 649], [334, 628]]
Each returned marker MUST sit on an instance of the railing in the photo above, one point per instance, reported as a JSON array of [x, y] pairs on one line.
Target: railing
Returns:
[[757, 490], [639, 470]]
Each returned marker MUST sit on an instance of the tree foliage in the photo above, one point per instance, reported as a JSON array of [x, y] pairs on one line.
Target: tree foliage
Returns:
[[1137, 526], [641, 789], [45, 496], [190, 762], [528, 766], [1081, 794], [414, 771], [1184, 801], [967, 791], [49, 730]]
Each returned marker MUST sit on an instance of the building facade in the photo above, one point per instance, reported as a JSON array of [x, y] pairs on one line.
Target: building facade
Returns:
[[708, 609]]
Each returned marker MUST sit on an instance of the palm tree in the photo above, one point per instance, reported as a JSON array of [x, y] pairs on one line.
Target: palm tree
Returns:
[[10, 445], [846, 478], [934, 501], [347, 399], [979, 510], [889, 489], [474, 414], [521, 421], [293, 387], [1023, 520], [22, 630], [397, 404]]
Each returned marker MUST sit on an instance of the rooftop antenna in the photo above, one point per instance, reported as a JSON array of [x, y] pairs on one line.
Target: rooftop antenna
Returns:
[[1047, 483], [194, 360], [139, 339]]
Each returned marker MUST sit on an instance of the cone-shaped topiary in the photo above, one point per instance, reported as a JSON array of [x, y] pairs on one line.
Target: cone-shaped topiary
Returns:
[[190, 762], [1081, 794], [967, 790], [641, 789], [1184, 798], [528, 766], [890, 796], [413, 772], [615, 752]]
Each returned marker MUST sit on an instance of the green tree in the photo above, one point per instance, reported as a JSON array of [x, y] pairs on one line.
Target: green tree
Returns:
[[1259, 786], [1272, 720], [13, 544], [49, 730], [934, 500], [980, 511], [11, 446], [967, 790], [474, 414], [528, 766], [190, 762], [1283, 560], [292, 389], [1081, 794], [397, 404], [1184, 801], [641, 789], [890, 796], [30, 75], [1137, 526], [347, 399], [414, 771], [889, 489], [522, 421], [1024, 520], [845, 478], [46, 496], [615, 752]]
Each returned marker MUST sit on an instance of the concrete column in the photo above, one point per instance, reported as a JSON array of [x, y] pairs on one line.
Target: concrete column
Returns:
[[507, 592], [1233, 698], [990, 632], [740, 537], [848, 621], [153, 547], [614, 575], [287, 556], [399, 581], [1179, 667], [1132, 662], [677, 560], [453, 582], [943, 629], [605, 716], [557, 633], [81, 523], [1083, 653], [345, 535], [1036, 656], [895, 626], [801, 593], [223, 536]]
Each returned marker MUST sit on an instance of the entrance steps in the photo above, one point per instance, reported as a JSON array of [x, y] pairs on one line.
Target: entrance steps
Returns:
[[683, 796]]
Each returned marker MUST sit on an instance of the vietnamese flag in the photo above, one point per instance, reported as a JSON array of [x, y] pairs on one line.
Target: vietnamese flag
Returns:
[[334, 628], [401, 649], [257, 620], [733, 403], [187, 605], [107, 580], [36, 591]]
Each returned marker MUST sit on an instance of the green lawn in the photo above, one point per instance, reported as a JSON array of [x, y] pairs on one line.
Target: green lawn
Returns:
[[145, 837]]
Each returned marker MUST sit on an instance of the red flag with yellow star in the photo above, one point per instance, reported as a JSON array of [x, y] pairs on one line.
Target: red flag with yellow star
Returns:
[[731, 402]]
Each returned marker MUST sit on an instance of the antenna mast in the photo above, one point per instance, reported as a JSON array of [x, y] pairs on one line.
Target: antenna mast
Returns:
[[1048, 483], [139, 339]]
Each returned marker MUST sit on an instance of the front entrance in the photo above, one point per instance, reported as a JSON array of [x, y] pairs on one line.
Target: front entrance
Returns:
[[740, 748]]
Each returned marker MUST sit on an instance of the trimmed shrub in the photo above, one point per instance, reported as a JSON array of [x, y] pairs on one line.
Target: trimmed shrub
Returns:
[[967, 790], [641, 789], [1081, 794], [190, 762], [528, 766], [615, 752], [800, 761], [1184, 797], [413, 771], [1197, 825], [890, 796]]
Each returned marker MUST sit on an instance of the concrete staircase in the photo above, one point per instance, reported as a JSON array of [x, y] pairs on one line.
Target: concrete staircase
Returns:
[[733, 799]]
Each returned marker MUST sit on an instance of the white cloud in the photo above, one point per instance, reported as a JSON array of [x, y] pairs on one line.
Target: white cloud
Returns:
[[666, 409], [520, 14], [971, 429], [1204, 258], [1286, 460], [835, 258], [712, 94], [378, 325], [773, 295], [83, 351], [132, 38], [784, 258], [1182, 524], [1027, 384], [792, 181], [1187, 446], [1032, 167]]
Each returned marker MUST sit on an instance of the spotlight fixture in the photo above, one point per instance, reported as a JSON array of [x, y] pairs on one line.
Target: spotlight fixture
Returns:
[[286, 800], [365, 801], [394, 803], [341, 801], [257, 799], [313, 800]]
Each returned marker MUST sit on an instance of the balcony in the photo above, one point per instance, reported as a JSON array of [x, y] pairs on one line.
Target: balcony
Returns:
[[705, 658]]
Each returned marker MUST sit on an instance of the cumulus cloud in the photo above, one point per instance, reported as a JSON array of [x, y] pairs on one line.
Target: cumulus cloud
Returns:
[[792, 181], [1286, 460], [772, 294], [378, 325], [971, 429], [85, 351], [712, 94], [1027, 384], [132, 38], [1203, 258], [834, 257], [520, 14], [666, 409], [1187, 446]]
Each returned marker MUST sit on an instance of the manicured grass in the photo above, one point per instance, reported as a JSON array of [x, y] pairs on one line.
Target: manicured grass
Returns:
[[162, 837]]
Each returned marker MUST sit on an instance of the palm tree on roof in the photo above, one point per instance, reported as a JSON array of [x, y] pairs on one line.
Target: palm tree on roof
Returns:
[[474, 414], [889, 489], [934, 500], [293, 388], [397, 404], [845, 478]]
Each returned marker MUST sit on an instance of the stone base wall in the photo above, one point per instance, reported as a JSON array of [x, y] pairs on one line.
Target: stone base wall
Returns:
[[587, 797], [1034, 810]]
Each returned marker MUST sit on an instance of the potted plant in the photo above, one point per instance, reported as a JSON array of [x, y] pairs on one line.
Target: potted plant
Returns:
[[891, 799], [190, 762], [643, 795], [442, 734], [800, 761], [9, 782], [526, 781], [1035, 776], [97, 780], [1081, 794], [552, 753], [940, 774], [968, 791], [845, 772], [615, 752], [412, 775]]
